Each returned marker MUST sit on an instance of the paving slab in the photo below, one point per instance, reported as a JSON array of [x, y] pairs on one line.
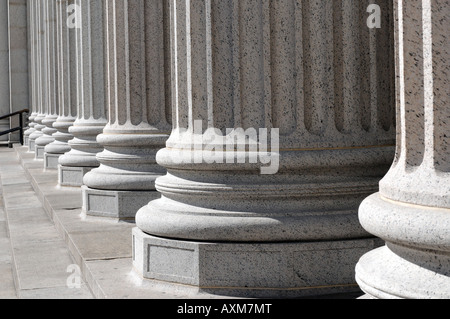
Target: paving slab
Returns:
[[39, 261]]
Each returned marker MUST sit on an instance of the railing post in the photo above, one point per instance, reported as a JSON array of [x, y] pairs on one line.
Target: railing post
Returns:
[[21, 128]]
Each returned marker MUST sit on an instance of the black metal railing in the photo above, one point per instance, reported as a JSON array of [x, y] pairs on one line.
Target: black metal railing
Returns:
[[15, 129]]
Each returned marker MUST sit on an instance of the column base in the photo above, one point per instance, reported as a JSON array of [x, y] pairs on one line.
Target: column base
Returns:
[[384, 274], [39, 151], [72, 176], [51, 160], [120, 205], [255, 270], [415, 263]]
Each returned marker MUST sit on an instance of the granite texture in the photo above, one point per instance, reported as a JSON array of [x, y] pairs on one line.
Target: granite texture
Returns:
[[411, 211], [421, 170], [252, 269], [38, 80], [330, 156], [116, 205], [66, 100], [50, 78], [42, 81], [32, 73], [89, 83], [138, 119], [71, 176], [299, 67]]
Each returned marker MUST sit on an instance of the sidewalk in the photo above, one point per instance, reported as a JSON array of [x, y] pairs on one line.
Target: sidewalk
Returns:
[[45, 243], [34, 257], [7, 289], [49, 238]]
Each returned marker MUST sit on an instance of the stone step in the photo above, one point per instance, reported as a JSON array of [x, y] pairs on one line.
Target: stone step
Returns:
[[101, 248], [40, 264]]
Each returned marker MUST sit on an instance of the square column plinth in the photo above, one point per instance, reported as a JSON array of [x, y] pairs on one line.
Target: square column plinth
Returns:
[[260, 270], [39, 151], [120, 205], [51, 160], [72, 176], [31, 145]]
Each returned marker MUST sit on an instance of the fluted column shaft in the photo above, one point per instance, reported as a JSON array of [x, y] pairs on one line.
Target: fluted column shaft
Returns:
[[85, 70], [412, 210], [239, 66], [67, 107], [51, 86], [37, 31], [137, 126], [31, 6], [311, 70]]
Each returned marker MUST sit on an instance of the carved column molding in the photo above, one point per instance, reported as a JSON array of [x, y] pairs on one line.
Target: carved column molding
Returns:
[[50, 86], [41, 76], [66, 98], [412, 210], [32, 29], [311, 69], [139, 115], [86, 86]]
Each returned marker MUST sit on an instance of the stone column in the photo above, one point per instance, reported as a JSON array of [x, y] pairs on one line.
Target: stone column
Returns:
[[138, 123], [4, 69], [88, 49], [31, 6], [18, 62], [51, 86], [412, 210], [66, 83], [41, 74], [252, 219]]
